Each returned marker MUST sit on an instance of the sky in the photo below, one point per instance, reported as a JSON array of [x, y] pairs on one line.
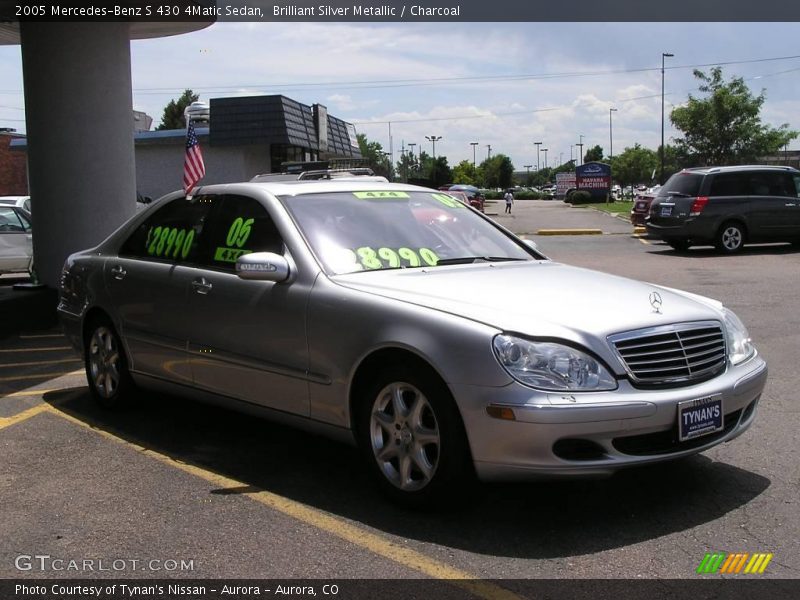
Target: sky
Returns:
[[506, 85]]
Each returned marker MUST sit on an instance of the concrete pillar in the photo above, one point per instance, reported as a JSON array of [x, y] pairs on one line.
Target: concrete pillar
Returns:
[[78, 113]]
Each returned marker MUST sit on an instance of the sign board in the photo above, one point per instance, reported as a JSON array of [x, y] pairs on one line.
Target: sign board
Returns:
[[564, 183], [594, 177]]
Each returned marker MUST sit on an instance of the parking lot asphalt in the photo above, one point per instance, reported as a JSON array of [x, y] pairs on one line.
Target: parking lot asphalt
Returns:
[[239, 497]]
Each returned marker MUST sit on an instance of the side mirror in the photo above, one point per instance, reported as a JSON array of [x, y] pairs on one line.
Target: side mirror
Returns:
[[535, 247], [263, 266]]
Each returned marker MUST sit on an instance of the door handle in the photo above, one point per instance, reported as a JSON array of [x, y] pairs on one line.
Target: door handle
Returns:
[[118, 272], [201, 285]]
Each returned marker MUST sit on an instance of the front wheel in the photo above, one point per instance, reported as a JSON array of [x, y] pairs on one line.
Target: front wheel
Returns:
[[730, 238], [107, 372], [412, 437]]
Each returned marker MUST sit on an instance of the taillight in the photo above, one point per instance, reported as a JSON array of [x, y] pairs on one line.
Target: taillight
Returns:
[[698, 205]]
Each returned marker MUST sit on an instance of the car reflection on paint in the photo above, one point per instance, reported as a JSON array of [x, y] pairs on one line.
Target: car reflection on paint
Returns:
[[394, 317]]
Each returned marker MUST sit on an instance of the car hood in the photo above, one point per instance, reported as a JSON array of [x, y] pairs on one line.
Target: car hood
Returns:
[[538, 298]]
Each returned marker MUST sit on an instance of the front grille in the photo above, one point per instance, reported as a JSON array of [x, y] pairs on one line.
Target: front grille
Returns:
[[672, 354]]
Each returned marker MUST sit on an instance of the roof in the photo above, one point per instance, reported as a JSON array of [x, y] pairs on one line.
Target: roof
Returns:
[[320, 186], [738, 168]]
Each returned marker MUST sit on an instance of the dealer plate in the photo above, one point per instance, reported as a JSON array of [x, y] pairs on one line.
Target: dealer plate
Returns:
[[699, 417], [666, 211]]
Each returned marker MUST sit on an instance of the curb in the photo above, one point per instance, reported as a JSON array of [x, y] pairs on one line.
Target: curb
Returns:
[[569, 232]]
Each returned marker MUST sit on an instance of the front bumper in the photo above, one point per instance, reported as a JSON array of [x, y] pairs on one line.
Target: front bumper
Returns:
[[595, 434]]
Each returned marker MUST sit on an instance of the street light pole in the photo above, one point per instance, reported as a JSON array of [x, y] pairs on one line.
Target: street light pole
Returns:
[[610, 133], [537, 144], [661, 174], [433, 139], [488, 151], [545, 157], [474, 145], [580, 151], [411, 151]]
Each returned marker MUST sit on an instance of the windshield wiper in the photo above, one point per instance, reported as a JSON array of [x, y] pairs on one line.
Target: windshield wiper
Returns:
[[465, 260]]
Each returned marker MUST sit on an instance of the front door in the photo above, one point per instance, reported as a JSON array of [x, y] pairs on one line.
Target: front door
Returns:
[[249, 337]]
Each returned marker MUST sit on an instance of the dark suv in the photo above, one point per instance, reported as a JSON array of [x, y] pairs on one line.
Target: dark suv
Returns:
[[727, 207]]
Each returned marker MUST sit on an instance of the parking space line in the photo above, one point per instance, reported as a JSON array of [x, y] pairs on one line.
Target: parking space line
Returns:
[[27, 393], [52, 348], [40, 376], [40, 362], [23, 416], [306, 514]]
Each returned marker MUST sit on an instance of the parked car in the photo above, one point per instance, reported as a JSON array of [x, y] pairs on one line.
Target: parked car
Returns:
[[641, 205], [727, 207], [23, 202], [16, 238], [376, 313], [475, 202], [475, 196]]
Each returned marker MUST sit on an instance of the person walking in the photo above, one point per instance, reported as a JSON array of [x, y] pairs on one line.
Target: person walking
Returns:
[[509, 198]]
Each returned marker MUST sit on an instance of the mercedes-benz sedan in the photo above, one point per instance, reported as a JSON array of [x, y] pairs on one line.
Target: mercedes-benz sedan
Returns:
[[395, 317]]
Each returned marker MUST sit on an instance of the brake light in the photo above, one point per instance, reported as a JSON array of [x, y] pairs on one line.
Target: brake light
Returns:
[[698, 205]]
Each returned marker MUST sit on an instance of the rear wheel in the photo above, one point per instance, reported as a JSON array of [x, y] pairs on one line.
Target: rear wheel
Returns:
[[730, 237], [412, 437], [679, 245], [107, 372]]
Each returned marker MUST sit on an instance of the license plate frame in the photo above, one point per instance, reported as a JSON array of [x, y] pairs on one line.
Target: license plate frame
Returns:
[[700, 417]]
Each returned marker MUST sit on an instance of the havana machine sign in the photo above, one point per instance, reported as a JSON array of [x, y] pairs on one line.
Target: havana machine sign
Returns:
[[594, 177]]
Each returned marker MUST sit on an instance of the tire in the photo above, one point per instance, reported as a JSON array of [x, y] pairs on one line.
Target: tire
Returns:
[[679, 245], [730, 237], [106, 365], [412, 437]]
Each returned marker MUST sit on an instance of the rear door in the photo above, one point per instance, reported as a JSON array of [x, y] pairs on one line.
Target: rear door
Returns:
[[673, 200], [148, 283]]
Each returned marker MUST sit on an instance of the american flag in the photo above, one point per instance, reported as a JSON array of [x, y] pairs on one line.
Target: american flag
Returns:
[[193, 167]]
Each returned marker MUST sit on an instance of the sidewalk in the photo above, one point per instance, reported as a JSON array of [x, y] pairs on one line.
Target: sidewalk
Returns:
[[530, 217]]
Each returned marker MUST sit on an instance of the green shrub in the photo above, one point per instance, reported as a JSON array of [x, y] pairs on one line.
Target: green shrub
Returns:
[[579, 197]]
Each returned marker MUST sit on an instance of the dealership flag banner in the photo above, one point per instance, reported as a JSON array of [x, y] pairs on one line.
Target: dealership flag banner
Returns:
[[193, 167]]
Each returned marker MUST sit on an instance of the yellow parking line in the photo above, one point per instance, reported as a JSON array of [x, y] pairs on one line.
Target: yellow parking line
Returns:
[[316, 518], [52, 348], [40, 362], [644, 241], [40, 376], [24, 415], [28, 393]]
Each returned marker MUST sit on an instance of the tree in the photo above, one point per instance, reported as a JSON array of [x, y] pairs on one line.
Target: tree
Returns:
[[173, 112], [465, 173], [375, 156], [634, 165], [408, 166], [498, 171], [593, 154], [725, 127]]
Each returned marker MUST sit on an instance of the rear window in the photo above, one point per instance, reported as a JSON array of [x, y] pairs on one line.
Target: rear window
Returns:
[[681, 184]]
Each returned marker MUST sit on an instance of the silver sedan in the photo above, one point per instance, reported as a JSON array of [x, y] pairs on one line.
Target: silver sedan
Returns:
[[397, 318]]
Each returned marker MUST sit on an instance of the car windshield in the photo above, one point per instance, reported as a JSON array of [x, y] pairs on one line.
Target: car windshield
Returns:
[[363, 231], [682, 184]]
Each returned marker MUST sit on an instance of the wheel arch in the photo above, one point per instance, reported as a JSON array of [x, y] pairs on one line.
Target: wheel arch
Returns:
[[372, 362]]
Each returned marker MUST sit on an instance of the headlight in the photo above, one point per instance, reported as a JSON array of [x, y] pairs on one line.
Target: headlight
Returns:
[[551, 366], [740, 346]]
